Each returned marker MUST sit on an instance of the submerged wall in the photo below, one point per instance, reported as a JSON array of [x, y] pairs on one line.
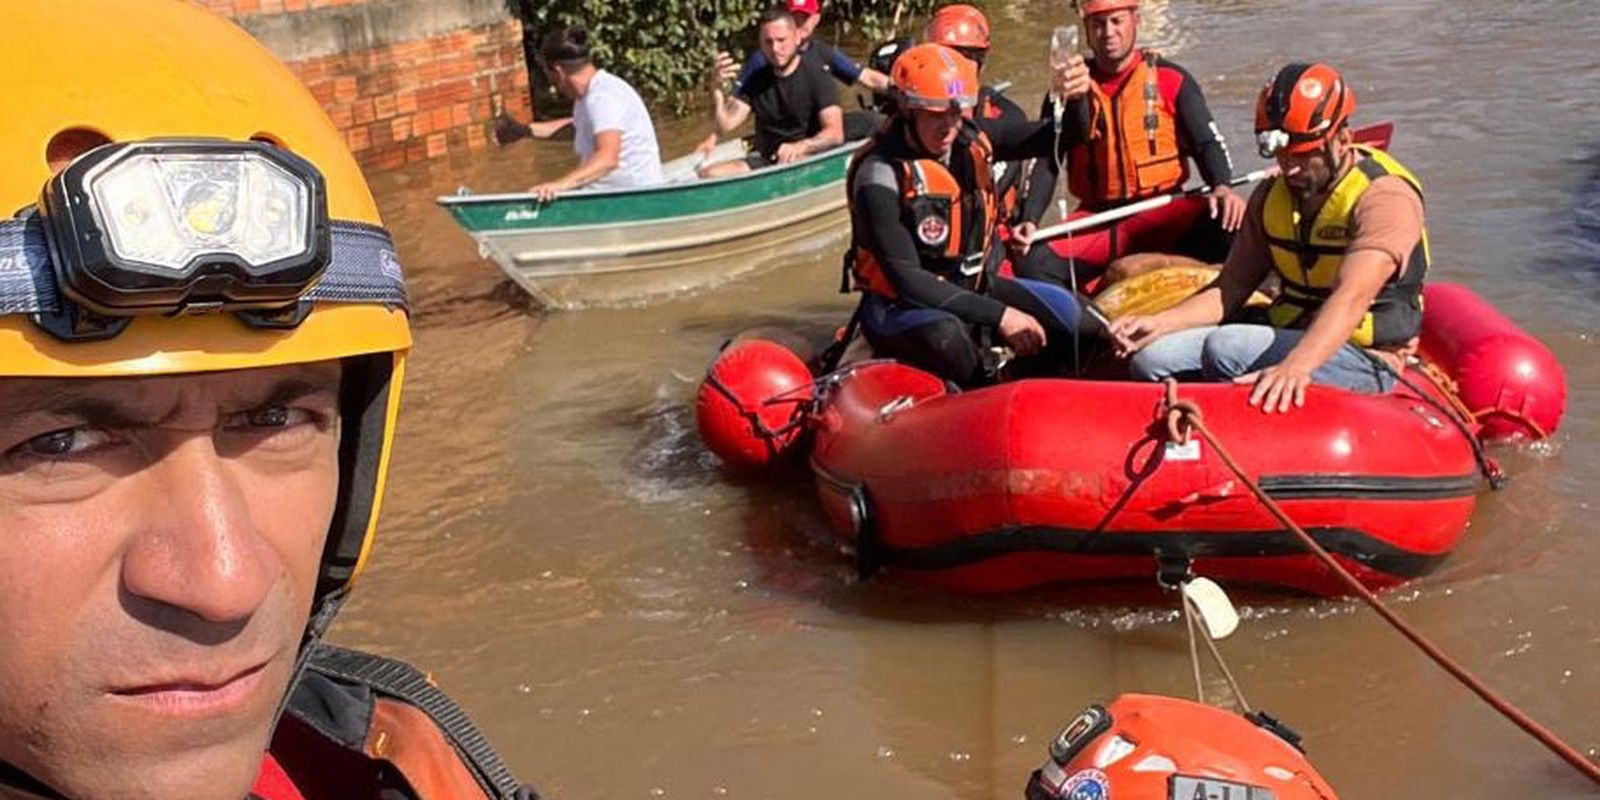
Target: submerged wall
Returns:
[[406, 80]]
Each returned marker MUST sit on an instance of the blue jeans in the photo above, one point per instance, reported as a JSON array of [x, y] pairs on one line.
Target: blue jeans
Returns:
[[1224, 352]]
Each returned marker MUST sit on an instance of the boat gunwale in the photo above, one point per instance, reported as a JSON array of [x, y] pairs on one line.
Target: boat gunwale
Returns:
[[506, 233], [598, 194]]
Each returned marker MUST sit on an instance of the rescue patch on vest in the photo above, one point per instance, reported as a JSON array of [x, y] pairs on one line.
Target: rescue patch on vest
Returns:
[[1333, 232], [933, 230]]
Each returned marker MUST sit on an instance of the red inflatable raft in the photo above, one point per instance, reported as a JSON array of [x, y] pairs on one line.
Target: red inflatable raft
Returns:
[[1042, 481]]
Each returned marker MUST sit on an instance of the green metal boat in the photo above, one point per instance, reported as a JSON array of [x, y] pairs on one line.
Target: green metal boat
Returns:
[[622, 246]]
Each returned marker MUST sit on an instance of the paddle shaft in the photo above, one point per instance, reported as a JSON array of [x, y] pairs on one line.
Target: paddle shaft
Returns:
[[1133, 209], [1377, 135]]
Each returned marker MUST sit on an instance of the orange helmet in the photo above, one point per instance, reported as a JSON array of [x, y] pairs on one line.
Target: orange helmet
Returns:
[[935, 77], [1143, 746], [958, 26], [1303, 107], [1088, 8]]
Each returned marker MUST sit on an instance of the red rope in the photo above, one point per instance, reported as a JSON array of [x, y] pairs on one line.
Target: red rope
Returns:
[[1193, 422]]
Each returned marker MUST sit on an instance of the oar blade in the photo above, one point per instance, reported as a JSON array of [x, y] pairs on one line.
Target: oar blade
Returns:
[[1378, 134]]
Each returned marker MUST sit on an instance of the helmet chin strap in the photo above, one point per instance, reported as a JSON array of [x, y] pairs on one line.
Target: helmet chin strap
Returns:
[[1340, 167], [322, 615], [14, 783]]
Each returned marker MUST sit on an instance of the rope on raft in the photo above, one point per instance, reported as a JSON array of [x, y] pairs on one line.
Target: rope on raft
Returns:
[[1184, 419]]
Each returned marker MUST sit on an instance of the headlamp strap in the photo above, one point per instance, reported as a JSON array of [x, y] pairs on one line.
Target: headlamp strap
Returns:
[[363, 268]]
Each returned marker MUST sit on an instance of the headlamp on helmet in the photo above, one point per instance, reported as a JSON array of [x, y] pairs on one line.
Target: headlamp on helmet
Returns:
[[1163, 748], [168, 226], [1301, 108], [1270, 142]]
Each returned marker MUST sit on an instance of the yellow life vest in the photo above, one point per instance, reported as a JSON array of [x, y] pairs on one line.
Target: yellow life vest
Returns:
[[1307, 253]]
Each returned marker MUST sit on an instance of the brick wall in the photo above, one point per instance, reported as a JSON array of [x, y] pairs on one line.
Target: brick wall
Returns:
[[406, 80]]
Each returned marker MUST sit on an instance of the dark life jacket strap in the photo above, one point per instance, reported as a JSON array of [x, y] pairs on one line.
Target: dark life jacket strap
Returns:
[[404, 682]]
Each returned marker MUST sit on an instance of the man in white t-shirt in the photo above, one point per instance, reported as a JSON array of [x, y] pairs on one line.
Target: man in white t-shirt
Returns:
[[613, 134]]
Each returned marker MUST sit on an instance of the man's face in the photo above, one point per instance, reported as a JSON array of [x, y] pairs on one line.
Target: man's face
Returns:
[[1312, 172], [1112, 34], [557, 76], [936, 130], [779, 43], [162, 538]]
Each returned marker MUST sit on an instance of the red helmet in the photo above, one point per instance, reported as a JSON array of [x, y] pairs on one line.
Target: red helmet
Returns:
[[958, 26], [935, 77], [1156, 748], [1301, 109], [1088, 8], [804, 7]]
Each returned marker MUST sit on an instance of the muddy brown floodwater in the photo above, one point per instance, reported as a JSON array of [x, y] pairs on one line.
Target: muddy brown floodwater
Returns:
[[628, 622]]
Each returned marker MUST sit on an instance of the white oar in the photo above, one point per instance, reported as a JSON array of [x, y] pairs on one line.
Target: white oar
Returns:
[[1122, 212], [1376, 135]]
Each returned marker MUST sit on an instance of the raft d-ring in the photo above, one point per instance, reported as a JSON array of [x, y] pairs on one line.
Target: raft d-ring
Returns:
[[895, 406]]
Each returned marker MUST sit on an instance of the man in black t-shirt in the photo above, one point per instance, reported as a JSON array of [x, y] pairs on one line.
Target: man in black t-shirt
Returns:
[[797, 110]]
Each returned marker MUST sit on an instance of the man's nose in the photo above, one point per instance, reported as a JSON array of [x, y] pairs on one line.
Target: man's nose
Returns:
[[197, 547]]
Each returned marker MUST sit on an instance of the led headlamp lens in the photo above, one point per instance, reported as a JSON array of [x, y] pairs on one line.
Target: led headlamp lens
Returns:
[[165, 226], [1270, 143], [1094, 721], [168, 210]]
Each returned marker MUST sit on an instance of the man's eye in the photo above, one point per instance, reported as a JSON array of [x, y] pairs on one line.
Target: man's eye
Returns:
[[268, 417], [65, 442], [274, 418]]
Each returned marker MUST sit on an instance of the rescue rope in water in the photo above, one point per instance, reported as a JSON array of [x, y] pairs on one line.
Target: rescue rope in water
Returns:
[[1197, 629], [1183, 418]]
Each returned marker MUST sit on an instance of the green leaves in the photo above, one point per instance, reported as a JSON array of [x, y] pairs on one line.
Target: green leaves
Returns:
[[663, 47]]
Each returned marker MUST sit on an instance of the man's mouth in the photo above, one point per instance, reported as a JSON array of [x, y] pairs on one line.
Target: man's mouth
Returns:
[[198, 694]]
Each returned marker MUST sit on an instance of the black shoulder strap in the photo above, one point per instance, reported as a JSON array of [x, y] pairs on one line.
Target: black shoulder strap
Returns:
[[14, 778], [404, 682]]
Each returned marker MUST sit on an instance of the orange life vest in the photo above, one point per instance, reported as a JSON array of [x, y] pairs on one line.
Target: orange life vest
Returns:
[[952, 224], [355, 717], [1132, 152]]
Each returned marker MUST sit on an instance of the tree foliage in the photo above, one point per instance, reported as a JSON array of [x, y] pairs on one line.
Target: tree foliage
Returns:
[[663, 47]]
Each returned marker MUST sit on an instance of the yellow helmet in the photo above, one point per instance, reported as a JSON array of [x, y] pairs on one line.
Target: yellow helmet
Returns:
[[182, 204]]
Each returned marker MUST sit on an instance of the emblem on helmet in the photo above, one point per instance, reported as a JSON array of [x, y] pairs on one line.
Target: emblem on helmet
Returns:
[[1090, 784]]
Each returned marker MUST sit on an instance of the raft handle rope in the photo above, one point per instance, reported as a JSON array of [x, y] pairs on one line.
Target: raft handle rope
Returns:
[[1185, 416], [1461, 417], [1451, 390], [798, 418], [805, 407]]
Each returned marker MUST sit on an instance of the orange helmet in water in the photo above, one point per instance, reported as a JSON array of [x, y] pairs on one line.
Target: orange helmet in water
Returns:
[[934, 77], [1301, 108], [1163, 748], [958, 26], [1088, 8]]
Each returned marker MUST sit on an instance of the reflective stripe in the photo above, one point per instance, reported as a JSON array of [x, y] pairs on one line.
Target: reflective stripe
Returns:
[[363, 268]]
